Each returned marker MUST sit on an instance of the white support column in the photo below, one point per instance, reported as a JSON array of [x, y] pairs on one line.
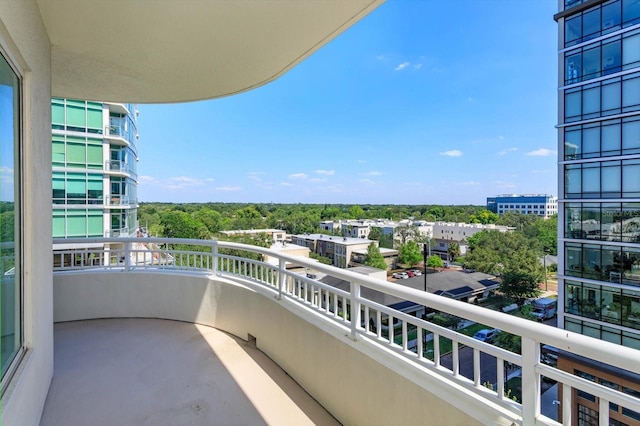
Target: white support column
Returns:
[[530, 381], [355, 310]]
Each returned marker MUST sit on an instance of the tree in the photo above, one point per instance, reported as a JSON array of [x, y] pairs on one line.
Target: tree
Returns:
[[454, 250], [178, 224], [408, 232], [434, 261], [495, 252], [374, 257], [410, 253], [519, 285], [508, 341], [375, 233], [484, 216]]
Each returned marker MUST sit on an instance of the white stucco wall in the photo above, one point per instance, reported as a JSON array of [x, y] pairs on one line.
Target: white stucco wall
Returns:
[[23, 36]]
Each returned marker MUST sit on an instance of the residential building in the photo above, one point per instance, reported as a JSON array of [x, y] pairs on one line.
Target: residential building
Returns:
[[447, 233], [338, 249], [390, 256], [94, 163], [599, 187], [539, 205]]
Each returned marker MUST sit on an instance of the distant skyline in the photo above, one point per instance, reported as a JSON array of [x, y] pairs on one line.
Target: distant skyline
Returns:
[[422, 102]]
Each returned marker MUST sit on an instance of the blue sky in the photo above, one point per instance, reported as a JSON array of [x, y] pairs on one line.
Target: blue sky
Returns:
[[422, 102]]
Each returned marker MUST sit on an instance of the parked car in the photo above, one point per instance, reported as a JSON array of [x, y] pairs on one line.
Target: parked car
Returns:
[[486, 335], [416, 272], [400, 275], [410, 274]]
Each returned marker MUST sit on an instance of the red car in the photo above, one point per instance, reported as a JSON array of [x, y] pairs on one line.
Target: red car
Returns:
[[410, 273]]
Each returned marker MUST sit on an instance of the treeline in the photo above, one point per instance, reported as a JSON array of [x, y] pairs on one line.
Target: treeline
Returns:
[[201, 220]]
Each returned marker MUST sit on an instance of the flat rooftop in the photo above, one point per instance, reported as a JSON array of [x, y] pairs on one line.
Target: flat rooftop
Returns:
[[160, 372]]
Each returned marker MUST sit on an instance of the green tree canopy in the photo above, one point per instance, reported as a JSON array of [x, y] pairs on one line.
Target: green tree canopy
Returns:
[[453, 250], [519, 285], [179, 224], [375, 233], [495, 252], [374, 257], [410, 253], [434, 261]]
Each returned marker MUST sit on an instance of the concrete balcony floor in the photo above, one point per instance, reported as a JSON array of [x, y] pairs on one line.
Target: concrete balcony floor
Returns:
[[159, 372]]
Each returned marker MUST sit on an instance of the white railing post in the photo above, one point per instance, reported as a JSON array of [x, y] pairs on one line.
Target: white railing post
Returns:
[[530, 381], [127, 256], [281, 277], [355, 310], [214, 255]]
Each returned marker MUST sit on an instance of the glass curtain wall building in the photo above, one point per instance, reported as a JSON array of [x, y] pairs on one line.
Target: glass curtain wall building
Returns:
[[599, 169], [94, 159]]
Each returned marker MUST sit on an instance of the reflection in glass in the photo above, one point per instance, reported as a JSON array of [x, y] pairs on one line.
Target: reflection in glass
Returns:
[[11, 315]]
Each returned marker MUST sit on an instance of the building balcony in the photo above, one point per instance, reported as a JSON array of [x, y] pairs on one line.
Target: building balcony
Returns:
[[120, 201], [120, 168], [194, 331]]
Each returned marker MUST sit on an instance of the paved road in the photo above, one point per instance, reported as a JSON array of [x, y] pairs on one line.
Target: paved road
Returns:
[[487, 365]]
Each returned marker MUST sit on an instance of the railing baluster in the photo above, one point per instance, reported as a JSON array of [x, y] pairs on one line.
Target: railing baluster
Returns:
[[355, 309], [436, 349], [419, 341], [456, 359], [567, 409], [404, 336], [476, 367], [603, 406], [500, 366], [531, 392]]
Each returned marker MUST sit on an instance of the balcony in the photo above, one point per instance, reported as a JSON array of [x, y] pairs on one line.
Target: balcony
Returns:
[[335, 344], [120, 168], [120, 201]]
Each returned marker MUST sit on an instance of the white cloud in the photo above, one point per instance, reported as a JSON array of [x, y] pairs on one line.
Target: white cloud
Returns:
[[298, 176], [362, 161], [506, 151], [402, 66], [542, 152], [417, 66], [325, 172], [372, 173], [6, 174], [184, 182], [286, 184], [452, 153], [228, 188]]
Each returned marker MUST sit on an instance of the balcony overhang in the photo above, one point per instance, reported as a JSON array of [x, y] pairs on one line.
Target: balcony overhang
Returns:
[[171, 51]]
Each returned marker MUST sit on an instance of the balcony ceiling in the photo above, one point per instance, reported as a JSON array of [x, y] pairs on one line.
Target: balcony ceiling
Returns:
[[165, 51]]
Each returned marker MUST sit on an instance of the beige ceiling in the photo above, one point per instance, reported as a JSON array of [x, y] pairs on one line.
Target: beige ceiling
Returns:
[[148, 51]]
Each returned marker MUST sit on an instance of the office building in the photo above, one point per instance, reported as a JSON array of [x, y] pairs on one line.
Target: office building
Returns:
[[536, 204], [599, 188], [94, 163]]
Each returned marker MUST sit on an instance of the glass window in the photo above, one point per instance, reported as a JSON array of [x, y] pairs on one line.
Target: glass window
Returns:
[[591, 63], [94, 120], [57, 152], [631, 94], [58, 224], [571, 294], [573, 105], [591, 24], [94, 224], [611, 17], [631, 178], [611, 97], [611, 57], [572, 179], [94, 156], [591, 141], [610, 183], [57, 114], [76, 117], [11, 337], [573, 30], [591, 178], [630, 308], [611, 137], [630, 12], [631, 51], [631, 223], [572, 136], [591, 101], [76, 223], [630, 136], [573, 67]]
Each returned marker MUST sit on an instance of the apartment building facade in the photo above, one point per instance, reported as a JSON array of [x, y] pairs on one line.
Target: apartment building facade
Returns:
[[599, 186], [542, 205], [338, 249], [94, 165]]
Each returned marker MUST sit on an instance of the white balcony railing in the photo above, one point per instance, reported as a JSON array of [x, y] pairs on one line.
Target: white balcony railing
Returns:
[[365, 320]]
